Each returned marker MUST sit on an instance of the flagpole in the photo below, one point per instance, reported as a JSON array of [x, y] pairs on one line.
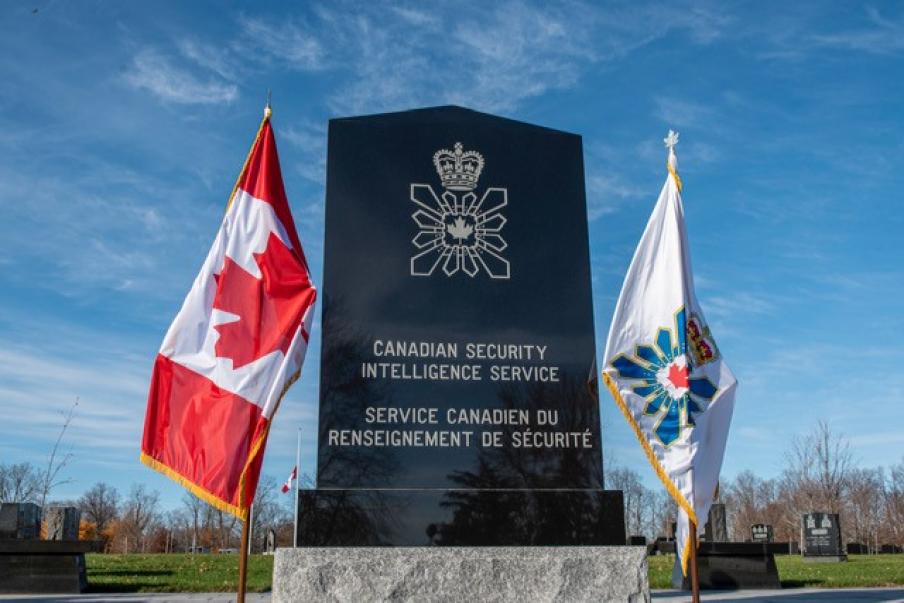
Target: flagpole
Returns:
[[243, 562], [695, 584], [297, 486]]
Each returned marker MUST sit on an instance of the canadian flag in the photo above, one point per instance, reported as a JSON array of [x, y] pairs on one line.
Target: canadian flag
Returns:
[[236, 345], [288, 485]]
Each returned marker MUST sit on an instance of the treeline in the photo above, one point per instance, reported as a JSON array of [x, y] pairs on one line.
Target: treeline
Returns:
[[137, 523], [820, 474]]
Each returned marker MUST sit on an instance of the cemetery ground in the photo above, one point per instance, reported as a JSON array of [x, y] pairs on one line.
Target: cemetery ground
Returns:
[[794, 572], [217, 573]]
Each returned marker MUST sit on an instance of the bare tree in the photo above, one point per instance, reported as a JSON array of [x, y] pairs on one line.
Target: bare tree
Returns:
[[818, 468], [894, 504], [267, 511], [100, 505], [19, 483], [865, 496], [50, 478], [140, 511]]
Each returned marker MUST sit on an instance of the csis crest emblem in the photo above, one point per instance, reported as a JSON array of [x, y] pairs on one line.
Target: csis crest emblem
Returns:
[[459, 230]]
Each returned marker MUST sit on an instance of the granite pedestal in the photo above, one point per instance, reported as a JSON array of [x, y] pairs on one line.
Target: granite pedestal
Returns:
[[432, 574], [43, 566], [733, 565]]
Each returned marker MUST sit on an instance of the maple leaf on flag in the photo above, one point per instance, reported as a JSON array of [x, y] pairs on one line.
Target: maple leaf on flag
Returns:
[[270, 308]]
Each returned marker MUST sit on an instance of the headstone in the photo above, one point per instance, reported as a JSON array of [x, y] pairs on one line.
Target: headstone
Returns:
[[458, 434], [638, 540], [20, 521], [761, 532], [62, 523], [857, 548], [716, 527], [271, 541], [44, 566], [732, 565], [822, 537], [890, 549], [457, 339]]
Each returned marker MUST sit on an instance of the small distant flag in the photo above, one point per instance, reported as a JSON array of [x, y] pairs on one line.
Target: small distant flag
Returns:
[[663, 367], [236, 346], [292, 476]]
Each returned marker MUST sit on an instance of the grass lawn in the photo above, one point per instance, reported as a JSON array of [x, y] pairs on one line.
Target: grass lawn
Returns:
[[218, 573], [175, 573], [859, 570]]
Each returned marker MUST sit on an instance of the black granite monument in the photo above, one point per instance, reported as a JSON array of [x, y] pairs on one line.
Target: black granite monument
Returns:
[[716, 527], [457, 339], [822, 537], [761, 532]]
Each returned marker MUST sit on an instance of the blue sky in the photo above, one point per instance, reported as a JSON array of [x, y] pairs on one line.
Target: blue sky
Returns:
[[123, 127]]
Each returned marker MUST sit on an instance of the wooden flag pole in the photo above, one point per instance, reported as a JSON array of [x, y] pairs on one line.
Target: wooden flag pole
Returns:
[[695, 584], [243, 563]]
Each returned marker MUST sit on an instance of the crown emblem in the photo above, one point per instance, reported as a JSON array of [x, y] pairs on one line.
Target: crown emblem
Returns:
[[458, 170]]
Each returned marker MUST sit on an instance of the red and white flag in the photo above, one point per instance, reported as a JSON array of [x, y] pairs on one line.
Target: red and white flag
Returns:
[[236, 345], [288, 485]]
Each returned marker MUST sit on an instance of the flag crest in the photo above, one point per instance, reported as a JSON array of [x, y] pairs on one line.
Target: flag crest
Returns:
[[236, 345], [663, 367]]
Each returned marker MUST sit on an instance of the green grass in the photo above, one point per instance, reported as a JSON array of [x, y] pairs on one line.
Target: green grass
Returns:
[[858, 571], [175, 573], [219, 573]]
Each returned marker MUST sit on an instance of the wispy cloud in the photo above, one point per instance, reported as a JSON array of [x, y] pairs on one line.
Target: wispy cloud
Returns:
[[286, 42], [157, 74], [880, 36], [491, 57]]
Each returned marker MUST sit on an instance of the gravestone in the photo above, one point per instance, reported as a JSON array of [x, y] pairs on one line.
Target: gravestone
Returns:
[[761, 532], [857, 548], [822, 537], [31, 565], [457, 340], [732, 565], [20, 521], [62, 523], [716, 527], [271, 541], [890, 549]]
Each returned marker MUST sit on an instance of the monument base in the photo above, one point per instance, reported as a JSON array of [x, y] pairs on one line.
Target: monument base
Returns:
[[43, 566], [825, 558], [593, 573], [732, 565], [402, 518]]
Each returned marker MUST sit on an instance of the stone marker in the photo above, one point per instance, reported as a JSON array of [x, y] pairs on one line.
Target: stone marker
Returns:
[[762, 532], [822, 537], [733, 565], [716, 528], [271, 541], [457, 341], [20, 521], [62, 523]]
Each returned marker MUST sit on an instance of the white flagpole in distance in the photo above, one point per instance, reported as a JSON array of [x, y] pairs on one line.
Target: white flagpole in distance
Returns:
[[297, 487]]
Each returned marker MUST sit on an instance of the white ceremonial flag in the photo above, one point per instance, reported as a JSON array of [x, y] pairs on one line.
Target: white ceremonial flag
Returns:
[[663, 367]]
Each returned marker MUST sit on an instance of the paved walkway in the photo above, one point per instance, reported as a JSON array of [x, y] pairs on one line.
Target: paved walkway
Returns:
[[138, 598], [791, 595]]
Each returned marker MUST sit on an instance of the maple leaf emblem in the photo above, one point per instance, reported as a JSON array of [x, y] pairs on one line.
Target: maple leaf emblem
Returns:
[[270, 308], [459, 229]]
